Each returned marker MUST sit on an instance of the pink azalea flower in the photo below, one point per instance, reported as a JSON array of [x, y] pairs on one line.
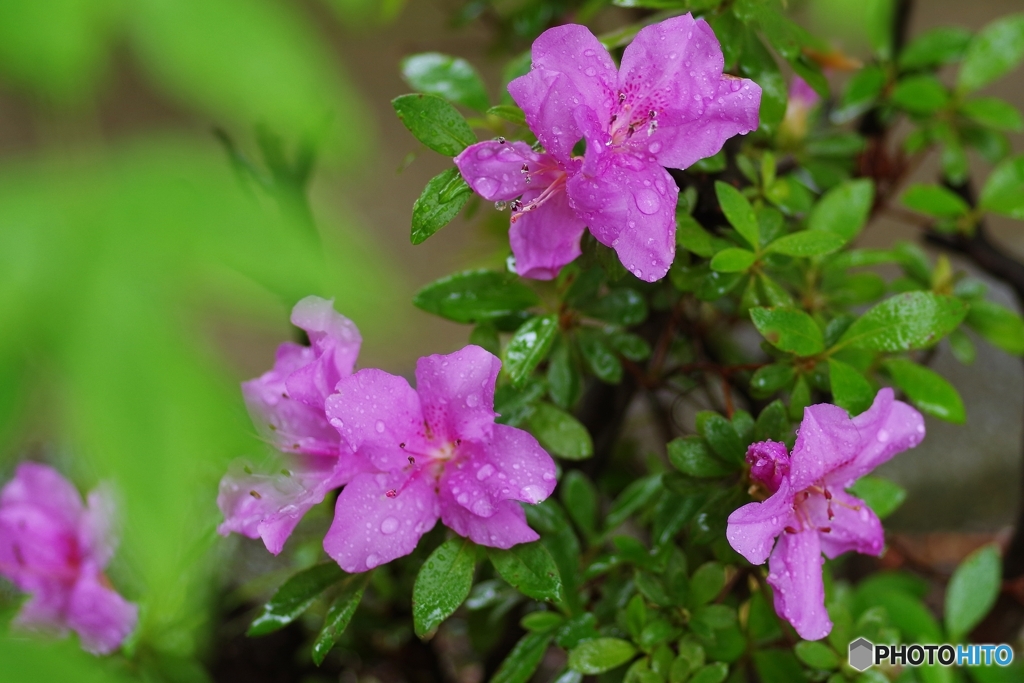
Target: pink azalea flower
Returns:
[[809, 510], [55, 549], [287, 407], [668, 105], [802, 100], [435, 452]]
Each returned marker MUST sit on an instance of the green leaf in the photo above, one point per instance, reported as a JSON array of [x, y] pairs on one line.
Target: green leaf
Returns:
[[530, 569], [934, 200], [879, 22], [524, 659], [816, 655], [442, 199], [508, 112], [972, 591], [721, 436], [777, 666], [339, 615], [738, 210], [692, 236], [913, 320], [758, 64], [790, 195], [992, 53], [294, 597], [999, 326], [943, 45], [1004, 190], [560, 433], [881, 495], [772, 423], [542, 621], [994, 113], [623, 306], [598, 655], [733, 260], [564, 381], [632, 498], [691, 455], [706, 583], [927, 390], [475, 296], [580, 499], [850, 390], [442, 584], [923, 94], [452, 78], [844, 209], [769, 379], [806, 243], [789, 329], [434, 122], [860, 93], [529, 346], [599, 357]]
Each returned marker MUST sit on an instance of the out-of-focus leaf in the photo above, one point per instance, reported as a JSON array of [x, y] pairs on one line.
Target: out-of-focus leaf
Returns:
[[972, 591], [452, 78], [992, 53], [434, 122], [599, 356], [475, 296], [339, 615], [508, 112], [524, 659], [789, 329], [733, 260], [850, 389], [691, 456], [295, 597], [927, 390], [28, 660], [999, 326], [757, 64], [706, 583], [879, 19], [920, 94], [529, 346], [942, 45], [935, 200], [844, 209], [635, 496], [564, 381], [691, 235], [442, 199], [904, 322], [778, 666], [560, 433], [623, 306], [881, 495], [1004, 190], [994, 113], [442, 584], [580, 499], [816, 654]]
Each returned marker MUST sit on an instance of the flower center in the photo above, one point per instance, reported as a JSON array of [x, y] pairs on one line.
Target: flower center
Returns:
[[519, 208], [628, 120]]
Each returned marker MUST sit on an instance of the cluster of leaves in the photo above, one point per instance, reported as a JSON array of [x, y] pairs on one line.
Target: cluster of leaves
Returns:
[[633, 578]]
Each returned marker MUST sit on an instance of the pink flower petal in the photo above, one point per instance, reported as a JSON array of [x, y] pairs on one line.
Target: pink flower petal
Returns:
[[504, 527], [371, 528], [826, 439], [379, 415], [853, 525], [98, 614], [96, 527], [38, 549], [43, 487], [494, 170], [795, 576], [570, 69], [335, 341], [457, 393], [547, 238], [753, 528]]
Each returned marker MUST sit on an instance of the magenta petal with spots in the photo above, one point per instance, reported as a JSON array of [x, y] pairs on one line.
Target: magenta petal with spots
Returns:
[[810, 512], [435, 451], [545, 240], [55, 549]]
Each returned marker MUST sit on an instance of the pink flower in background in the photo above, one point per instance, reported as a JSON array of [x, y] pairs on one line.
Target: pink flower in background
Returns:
[[809, 511], [668, 105], [55, 549], [435, 452], [287, 407], [802, 100]]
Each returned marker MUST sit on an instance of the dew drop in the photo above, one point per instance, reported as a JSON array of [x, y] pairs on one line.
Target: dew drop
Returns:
[[389, 526], [472, 400], [463, 498], [500, 205], [486, 186], [484, 472], [654, 147], [647, 201], [372, 561], [532, 493], [883, 436], [590, 71], [379, 427]]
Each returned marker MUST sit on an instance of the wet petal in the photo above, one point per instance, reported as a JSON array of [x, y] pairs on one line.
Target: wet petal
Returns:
[[547, 238], [495, 170], [43, 487], [98, 614], [886, 428], [505, 527], [826, 439], [769, 463], [335, 342], [379, 415], [753, 528], [371, 528], [570, 69], [457, 393], [629, 205], [794, 572], [852, 525]]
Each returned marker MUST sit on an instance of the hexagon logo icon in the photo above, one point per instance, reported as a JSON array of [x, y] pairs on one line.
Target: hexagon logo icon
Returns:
[[862, 654]]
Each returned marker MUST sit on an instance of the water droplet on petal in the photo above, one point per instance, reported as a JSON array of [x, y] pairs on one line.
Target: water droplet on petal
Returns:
[[484, 472], [647, 201], [486, 186], [532, 494], [590, 71], [883, 436], [472, 400], [379, 426], [372, 561], [389, 526]]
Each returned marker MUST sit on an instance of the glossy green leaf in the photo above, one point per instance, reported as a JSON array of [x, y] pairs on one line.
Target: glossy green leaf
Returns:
[[706, 583], [913, 320], [691, 456], [733, 260], [789, 329], [452, 78], [927, 390], [881, 495], [580, 498], [560, 433], [599, 357], [598, 655], [434, 122], [770, 378], [441, 200], [1004, 190], [772, 423], [992, 53], [972, 591], [632, 498], [942, 45], [510, 113], [994, 113], [844, 209], [475, 296], [564, 380], [738, 210], [339, 615], [790, 195], [721, 436], [294, 597], [806, 243], [934, 200], [623, 306], [542, 621], [529, 346], [692, 236], [442, 584], [850, 389], [758, 64], [524, 659], [999, 326], [530, 569]]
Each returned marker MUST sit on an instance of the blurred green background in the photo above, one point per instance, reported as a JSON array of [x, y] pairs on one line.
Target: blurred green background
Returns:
[[145, 270]]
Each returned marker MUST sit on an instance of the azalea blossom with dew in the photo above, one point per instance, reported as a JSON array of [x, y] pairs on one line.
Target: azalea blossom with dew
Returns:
[[287, 407], [435, 451], [55, 549], [808, 509], [668, 104]]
